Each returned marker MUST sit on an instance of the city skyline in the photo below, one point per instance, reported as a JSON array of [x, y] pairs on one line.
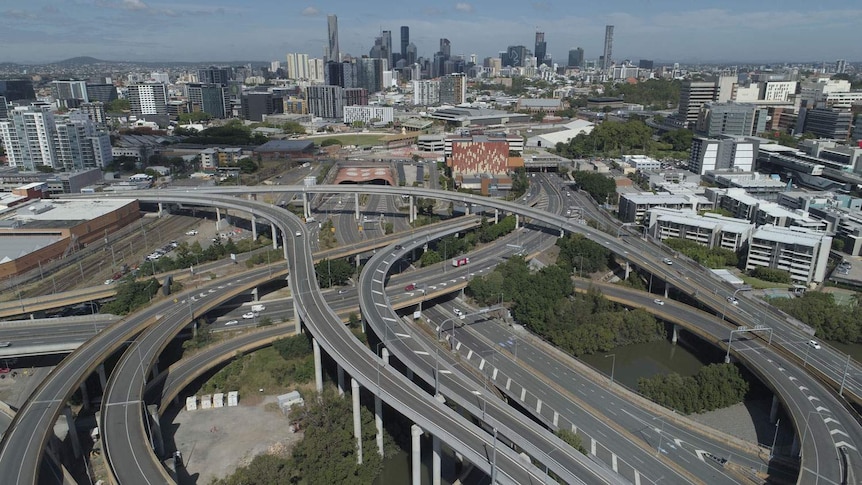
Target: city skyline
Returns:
[[142, 30]]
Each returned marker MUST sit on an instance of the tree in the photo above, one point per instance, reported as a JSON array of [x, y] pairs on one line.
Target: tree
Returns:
[[679, 139], [118, 106], [829, 320], [430, 257], [330, 142], [597, 185], [572, 439], [771, 274], [334, 272], [194, 117]]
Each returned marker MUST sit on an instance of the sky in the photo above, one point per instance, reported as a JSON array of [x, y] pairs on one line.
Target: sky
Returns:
[[759, 31]]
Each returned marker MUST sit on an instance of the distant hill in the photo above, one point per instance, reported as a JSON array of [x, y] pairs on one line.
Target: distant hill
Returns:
[[81, 61]]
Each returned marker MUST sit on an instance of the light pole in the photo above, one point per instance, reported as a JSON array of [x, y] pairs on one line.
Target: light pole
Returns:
[[660, 436], [494, 460], [732, 298], [774, 437], [844, 376], [613, 364]]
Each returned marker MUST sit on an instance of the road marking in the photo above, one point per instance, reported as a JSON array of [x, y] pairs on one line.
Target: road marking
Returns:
[[593, 446], [700, 454], [523, 394], [803, 388], [556, 418], [614, 462], [469, 354], [574, 428], [538, 406], [481, 364], [380, 304], [831, 420], [494, 375], [123, 403], [377, 292], [458, 346], [402, 335], [813, 398], [678, 442], [380, 271], [508, 383], [821, 409], [833, 432], [420, 352], [844, 443], [389, 319], [376, 281], [637, 478]]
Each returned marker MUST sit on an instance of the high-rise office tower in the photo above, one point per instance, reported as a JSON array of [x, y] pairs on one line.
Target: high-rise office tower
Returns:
[[694, 94], [69, 94], [411, 54], [332, 52], [212, 99], [104, 92], [315, 70], [445, 48], [17, 89], [387, 44], [405, 41], [840, 66], [541, 48], [80, 144], [609, 47], [4, 108], [148, 99], [516, 55], [215, 75], [576, 57]]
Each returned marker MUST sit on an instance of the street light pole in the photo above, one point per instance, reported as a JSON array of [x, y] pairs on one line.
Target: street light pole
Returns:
[[613, 364], [774, 437], [844, 376]]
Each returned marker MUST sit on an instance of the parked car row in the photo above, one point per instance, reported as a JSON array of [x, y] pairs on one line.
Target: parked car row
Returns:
[[158, 253]]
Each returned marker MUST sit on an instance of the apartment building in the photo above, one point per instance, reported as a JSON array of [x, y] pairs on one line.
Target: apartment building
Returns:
[[634, 207], [711, 230]]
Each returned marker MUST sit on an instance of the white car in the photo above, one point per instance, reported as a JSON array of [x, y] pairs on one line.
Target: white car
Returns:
[[249, 315], [658, 301], [232, 322], [298, 233], [667, 261], [192, 233], [108, 282], [814, 344], [458, 311]]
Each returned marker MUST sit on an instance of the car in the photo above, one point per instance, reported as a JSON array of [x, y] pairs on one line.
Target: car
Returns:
[[249, 315], [232, 322], [658, 301], [733, 300], [458, 311], [667, 261], [108, 282], [5, 344], [410, 287], [398, 247], [298, 233], [814, 344], [178, 459], [192, 233]]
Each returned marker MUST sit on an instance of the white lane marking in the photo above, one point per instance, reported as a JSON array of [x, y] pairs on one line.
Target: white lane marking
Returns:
[[614, 462], [593, 446], [839, 444]]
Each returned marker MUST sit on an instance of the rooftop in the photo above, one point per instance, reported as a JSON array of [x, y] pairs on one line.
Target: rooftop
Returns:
[[14, 247], [66, 210], [789, 235], [285, 146]]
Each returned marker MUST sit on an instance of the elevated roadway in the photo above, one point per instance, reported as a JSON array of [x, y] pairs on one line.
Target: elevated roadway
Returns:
[[123, 427]]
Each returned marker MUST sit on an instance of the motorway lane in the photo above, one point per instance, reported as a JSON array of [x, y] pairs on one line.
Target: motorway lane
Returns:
[[831, 429], [121, 420], [536, 441], [643, 255], [360, 363], [585, 401], [24, 442]]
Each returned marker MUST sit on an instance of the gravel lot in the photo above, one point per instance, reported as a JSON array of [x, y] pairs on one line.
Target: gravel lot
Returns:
[[214, 442]]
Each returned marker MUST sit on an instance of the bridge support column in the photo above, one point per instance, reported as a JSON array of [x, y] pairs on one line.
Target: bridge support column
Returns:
[[218, 217], [102, 379], [284, 249], [467, 209], [357, 424], [274, 237], [318, 368], [436, 461], [384, 354], [340, 380], [156, 438], [675, 335], [410, 215], [154, 371], [305, 211], [254, 228], [73, 431], [666, 288], [161, 208], [356, 206], [415, 454], [85, 396], [517, 220], [628, 270], [795, 447], [562, 232], [773, 411], [496, 216], [254, 294], [378, 422]]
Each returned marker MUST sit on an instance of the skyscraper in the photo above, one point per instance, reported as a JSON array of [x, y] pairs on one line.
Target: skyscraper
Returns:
[[541, 48], [609, 47], [387, 44], [297, 66], [576, 57], [69, 94], [445, 48], [212, 99], [332, 51], [215, 75], [405, 41]]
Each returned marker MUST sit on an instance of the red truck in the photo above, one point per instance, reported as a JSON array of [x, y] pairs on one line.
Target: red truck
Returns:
[[460, 262]]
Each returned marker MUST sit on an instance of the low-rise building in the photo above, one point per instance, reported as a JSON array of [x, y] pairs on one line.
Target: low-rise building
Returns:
[[634, 207], [801, 252], [710, 229], [642, 163], [368, 114]]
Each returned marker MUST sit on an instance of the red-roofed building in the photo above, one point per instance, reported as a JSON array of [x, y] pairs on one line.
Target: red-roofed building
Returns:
[[479, 157]]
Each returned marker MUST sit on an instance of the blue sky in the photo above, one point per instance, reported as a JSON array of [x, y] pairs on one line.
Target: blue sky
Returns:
[[221, 30]]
